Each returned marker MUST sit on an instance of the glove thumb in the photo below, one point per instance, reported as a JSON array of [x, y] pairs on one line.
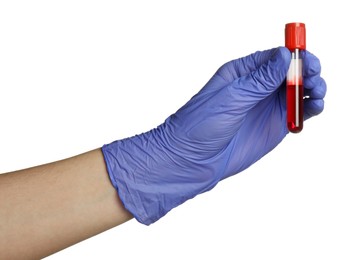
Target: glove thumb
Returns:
[[260, 83]]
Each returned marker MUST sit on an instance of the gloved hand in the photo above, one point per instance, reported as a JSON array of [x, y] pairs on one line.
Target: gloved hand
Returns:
[[237, 118]]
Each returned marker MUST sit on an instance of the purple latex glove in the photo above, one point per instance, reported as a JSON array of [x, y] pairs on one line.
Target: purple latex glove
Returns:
[[237, 118]]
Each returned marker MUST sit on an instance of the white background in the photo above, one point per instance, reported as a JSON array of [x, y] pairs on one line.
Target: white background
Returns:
[[77, 74]]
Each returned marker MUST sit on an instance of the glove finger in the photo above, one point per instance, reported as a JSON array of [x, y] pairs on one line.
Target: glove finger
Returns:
[[234, 69], [315, 87], [252, 88], [312, 107], [312, 65], [243, 66]]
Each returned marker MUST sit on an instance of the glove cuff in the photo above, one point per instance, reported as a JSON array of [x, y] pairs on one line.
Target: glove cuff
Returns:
[[150, 179]]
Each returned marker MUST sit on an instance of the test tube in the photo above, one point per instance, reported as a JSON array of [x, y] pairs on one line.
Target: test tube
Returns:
[[295, 41]]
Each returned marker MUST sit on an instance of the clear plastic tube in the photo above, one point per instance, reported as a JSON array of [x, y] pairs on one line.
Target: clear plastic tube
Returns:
[[295, 94]]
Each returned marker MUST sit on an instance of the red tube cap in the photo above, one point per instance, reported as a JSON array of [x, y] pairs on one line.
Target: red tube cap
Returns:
[[295, 36]]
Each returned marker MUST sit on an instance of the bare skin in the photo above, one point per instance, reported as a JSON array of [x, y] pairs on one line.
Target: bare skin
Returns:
[[47, 208]]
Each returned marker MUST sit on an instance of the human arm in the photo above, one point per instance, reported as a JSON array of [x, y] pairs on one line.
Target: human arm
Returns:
[[47, 208], [236, 119]]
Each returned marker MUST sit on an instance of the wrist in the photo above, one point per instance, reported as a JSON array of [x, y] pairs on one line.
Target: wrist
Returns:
[[150, 178]]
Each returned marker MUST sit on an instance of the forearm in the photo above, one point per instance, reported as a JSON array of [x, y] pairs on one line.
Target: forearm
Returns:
[[50, 207]]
